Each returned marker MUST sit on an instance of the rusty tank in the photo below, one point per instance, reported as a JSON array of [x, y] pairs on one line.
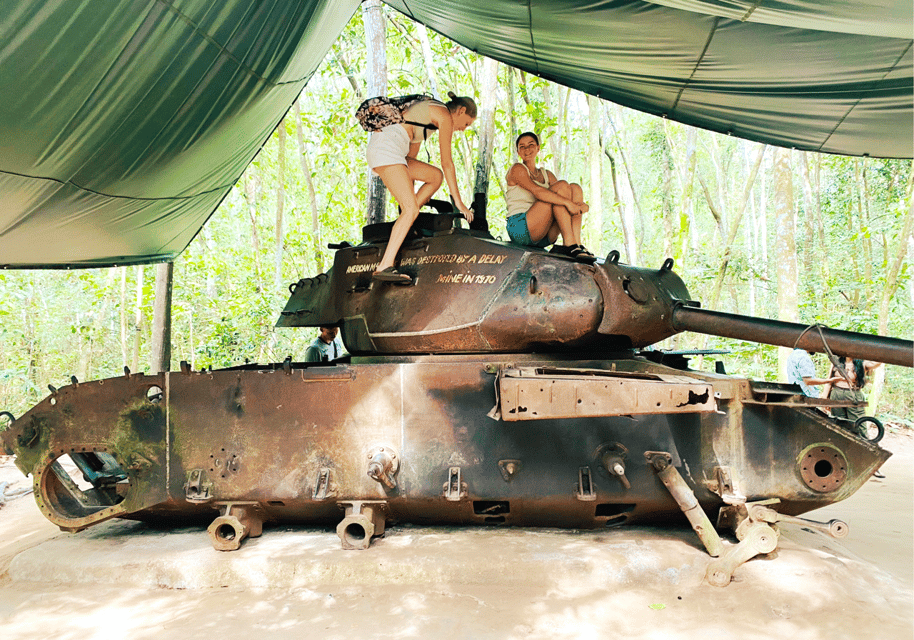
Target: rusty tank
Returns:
[[504, 386]]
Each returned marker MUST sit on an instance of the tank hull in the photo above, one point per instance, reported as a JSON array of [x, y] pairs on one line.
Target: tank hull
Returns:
[[295, 443]]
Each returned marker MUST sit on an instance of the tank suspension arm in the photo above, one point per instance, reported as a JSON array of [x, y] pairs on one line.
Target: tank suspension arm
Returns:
[[790, 334]]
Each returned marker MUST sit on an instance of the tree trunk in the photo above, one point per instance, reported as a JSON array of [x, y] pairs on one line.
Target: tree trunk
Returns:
[[620, 207], [280, 203], [250, 197], [486, 127], [785, 247], [636, 220], [554, 141], [123, 308], [685, 176], [341, 60], [138, 319], [905, 239], [160, 356], [734, 228], [429, 62], [595, 215], [809, 277], [376, 78], [511, 110], [309, 185], [866, 237]]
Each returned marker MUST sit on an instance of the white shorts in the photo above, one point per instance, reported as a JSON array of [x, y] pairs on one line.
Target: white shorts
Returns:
[[388, 146]]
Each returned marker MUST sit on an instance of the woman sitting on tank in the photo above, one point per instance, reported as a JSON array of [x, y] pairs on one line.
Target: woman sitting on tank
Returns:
[[392, 156], [540, 206]]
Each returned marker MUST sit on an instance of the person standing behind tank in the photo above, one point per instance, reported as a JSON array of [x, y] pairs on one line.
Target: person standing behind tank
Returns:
[[325, 347], [540, 206], [392, 156], [850, 387]]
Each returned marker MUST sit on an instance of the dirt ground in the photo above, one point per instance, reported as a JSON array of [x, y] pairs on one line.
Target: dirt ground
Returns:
[[126, 580]]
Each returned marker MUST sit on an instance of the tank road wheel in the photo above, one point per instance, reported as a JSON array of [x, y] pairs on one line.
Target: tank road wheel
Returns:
[[869, 428]]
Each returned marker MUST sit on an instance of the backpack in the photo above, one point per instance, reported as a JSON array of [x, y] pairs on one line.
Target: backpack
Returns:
[[376, 113]]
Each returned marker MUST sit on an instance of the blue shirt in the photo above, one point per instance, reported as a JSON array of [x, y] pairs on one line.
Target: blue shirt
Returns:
[[799, 366], [320, 351]]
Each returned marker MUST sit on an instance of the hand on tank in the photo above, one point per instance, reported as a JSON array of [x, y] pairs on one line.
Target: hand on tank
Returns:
[[466, 211]]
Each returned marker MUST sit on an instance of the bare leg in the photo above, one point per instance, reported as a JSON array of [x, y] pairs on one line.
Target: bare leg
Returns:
[[564, 218], [541, 220], [430, 176], [398, 181], [577, 196]]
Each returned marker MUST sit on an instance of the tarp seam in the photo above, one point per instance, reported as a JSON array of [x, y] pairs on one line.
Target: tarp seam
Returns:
[[178, 111], [865, 94], [750, 11], [109, 195], [405, 4], [697, 64], [213, 42], [536, 61]]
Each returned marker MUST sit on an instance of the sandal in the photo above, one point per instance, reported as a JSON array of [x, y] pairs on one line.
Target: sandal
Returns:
[[579, 253], [391, 275]]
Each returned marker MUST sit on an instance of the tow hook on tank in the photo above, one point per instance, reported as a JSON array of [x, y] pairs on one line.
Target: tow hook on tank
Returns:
[[364, 520], [755, 526], [238, 521], [383, 464]]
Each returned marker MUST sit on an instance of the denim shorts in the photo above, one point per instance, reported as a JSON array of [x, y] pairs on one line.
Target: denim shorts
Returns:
[[519, 234]]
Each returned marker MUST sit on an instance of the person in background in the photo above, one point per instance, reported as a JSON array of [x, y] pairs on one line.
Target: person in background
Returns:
[[850, 387], [802, 372], [392, 156], [540, 206], [325, 347]]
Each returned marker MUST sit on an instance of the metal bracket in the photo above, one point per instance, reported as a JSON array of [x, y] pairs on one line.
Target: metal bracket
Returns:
[[196, 489], [322, 486], [585, 490], [454, 488]]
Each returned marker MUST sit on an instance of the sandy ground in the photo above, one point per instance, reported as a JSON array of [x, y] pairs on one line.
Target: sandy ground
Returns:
[[123, 579]]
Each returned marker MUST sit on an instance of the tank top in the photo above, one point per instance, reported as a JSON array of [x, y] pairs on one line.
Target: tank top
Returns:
[[421, 113], [518, 199]]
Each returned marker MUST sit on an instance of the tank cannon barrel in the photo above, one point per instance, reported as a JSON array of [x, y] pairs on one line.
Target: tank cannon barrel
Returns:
[[790, 334]]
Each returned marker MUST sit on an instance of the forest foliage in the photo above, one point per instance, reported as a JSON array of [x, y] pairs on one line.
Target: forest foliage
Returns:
[[657, 189]]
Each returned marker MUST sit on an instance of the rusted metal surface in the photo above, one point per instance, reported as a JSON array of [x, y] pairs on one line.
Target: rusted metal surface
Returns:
[[540, 394], [661, 461], [300, 443], [500, 389], [789, 334], [755, 526], [239, 520], [473, 294]]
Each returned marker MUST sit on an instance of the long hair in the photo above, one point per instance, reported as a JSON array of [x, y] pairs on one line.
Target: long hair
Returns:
[[859, 371], [859, 374], [456, 102]]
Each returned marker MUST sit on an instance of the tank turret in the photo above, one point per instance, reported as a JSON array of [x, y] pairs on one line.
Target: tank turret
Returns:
[[474, 294]]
